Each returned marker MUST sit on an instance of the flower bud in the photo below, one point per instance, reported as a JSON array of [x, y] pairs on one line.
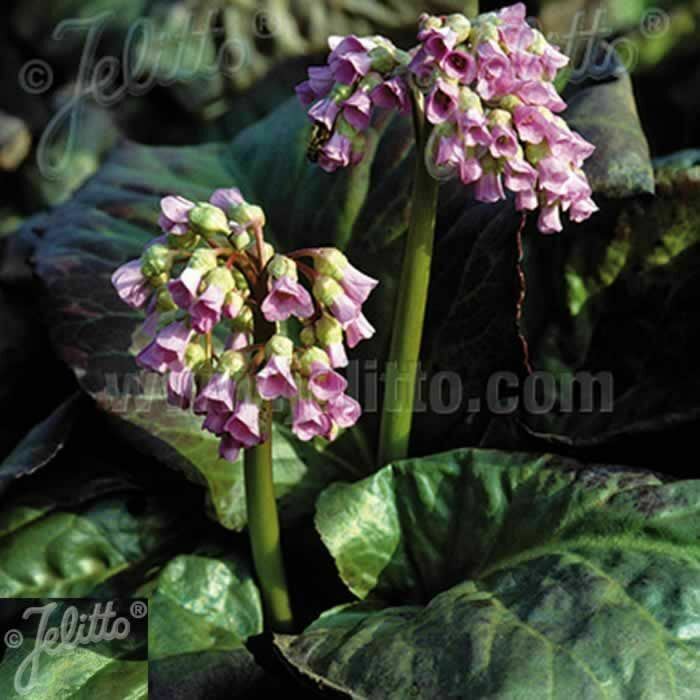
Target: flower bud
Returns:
[[311, 356], [240, 281], [427, 22], [208, 220], [240, 240], [232, 363], [183, 241], [331, 262], [233, 303], [156, 260], [383, 60], [204, 371], [195, 355], [326, 290], [510, 102], [333, 433], [164, 300], [539, 43], [468, 99], [203, 259], [491, 164], [340, 92], [268, 249], [159, 280], [248, 215], [500, 117], [328, 330], [279, 345], [307, 336], [221, 278], [460, 25], [485, 31], [282, 266], [535, 152], [245, 321]]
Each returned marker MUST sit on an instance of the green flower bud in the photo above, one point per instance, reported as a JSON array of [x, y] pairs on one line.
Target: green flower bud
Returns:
[[307, 336], [535, 152], [208, 220], [332, 433], [203, 259], [282, 266], [245, 321], [204, 371], [340, 92], [460, 25], [233, 303], [221, 278], [403, 58], [486, 31], [232, 363], [430, 22], [183, 242], [500, 117], [240, 281], [240, 240], [164, 300], [247, 214], [159, 280], [279, 345], [268, 250], [326, 290], [383, 59], [195, 355], [309, 357], [510, 102], [492, 165], [539, 43], [468, 99], [331, 262], [328, 330], [156, 260]]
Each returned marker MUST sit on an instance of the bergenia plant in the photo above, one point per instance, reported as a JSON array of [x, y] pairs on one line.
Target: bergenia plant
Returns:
[[234, 325], [485, 110]]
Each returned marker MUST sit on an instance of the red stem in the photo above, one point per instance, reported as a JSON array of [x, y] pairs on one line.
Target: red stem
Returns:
[[521, 294]]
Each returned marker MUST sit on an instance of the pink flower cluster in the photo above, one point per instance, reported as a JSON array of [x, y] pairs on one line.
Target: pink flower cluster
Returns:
[[215, 293], [359, 75], [486, 88]]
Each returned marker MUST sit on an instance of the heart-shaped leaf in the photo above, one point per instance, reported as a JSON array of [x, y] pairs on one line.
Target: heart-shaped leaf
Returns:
[[502, 575], [202, 608]]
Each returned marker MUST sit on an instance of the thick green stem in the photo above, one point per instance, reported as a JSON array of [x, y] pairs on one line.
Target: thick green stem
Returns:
[[264, 529], [402, 367]]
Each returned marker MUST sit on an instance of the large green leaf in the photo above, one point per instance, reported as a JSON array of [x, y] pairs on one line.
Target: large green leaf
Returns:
[[89, 516], [69, 552], [202, 608], [80, 674], [507, 575]]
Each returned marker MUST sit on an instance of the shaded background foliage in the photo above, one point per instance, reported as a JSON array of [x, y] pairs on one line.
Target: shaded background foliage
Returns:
[[91, 463]]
